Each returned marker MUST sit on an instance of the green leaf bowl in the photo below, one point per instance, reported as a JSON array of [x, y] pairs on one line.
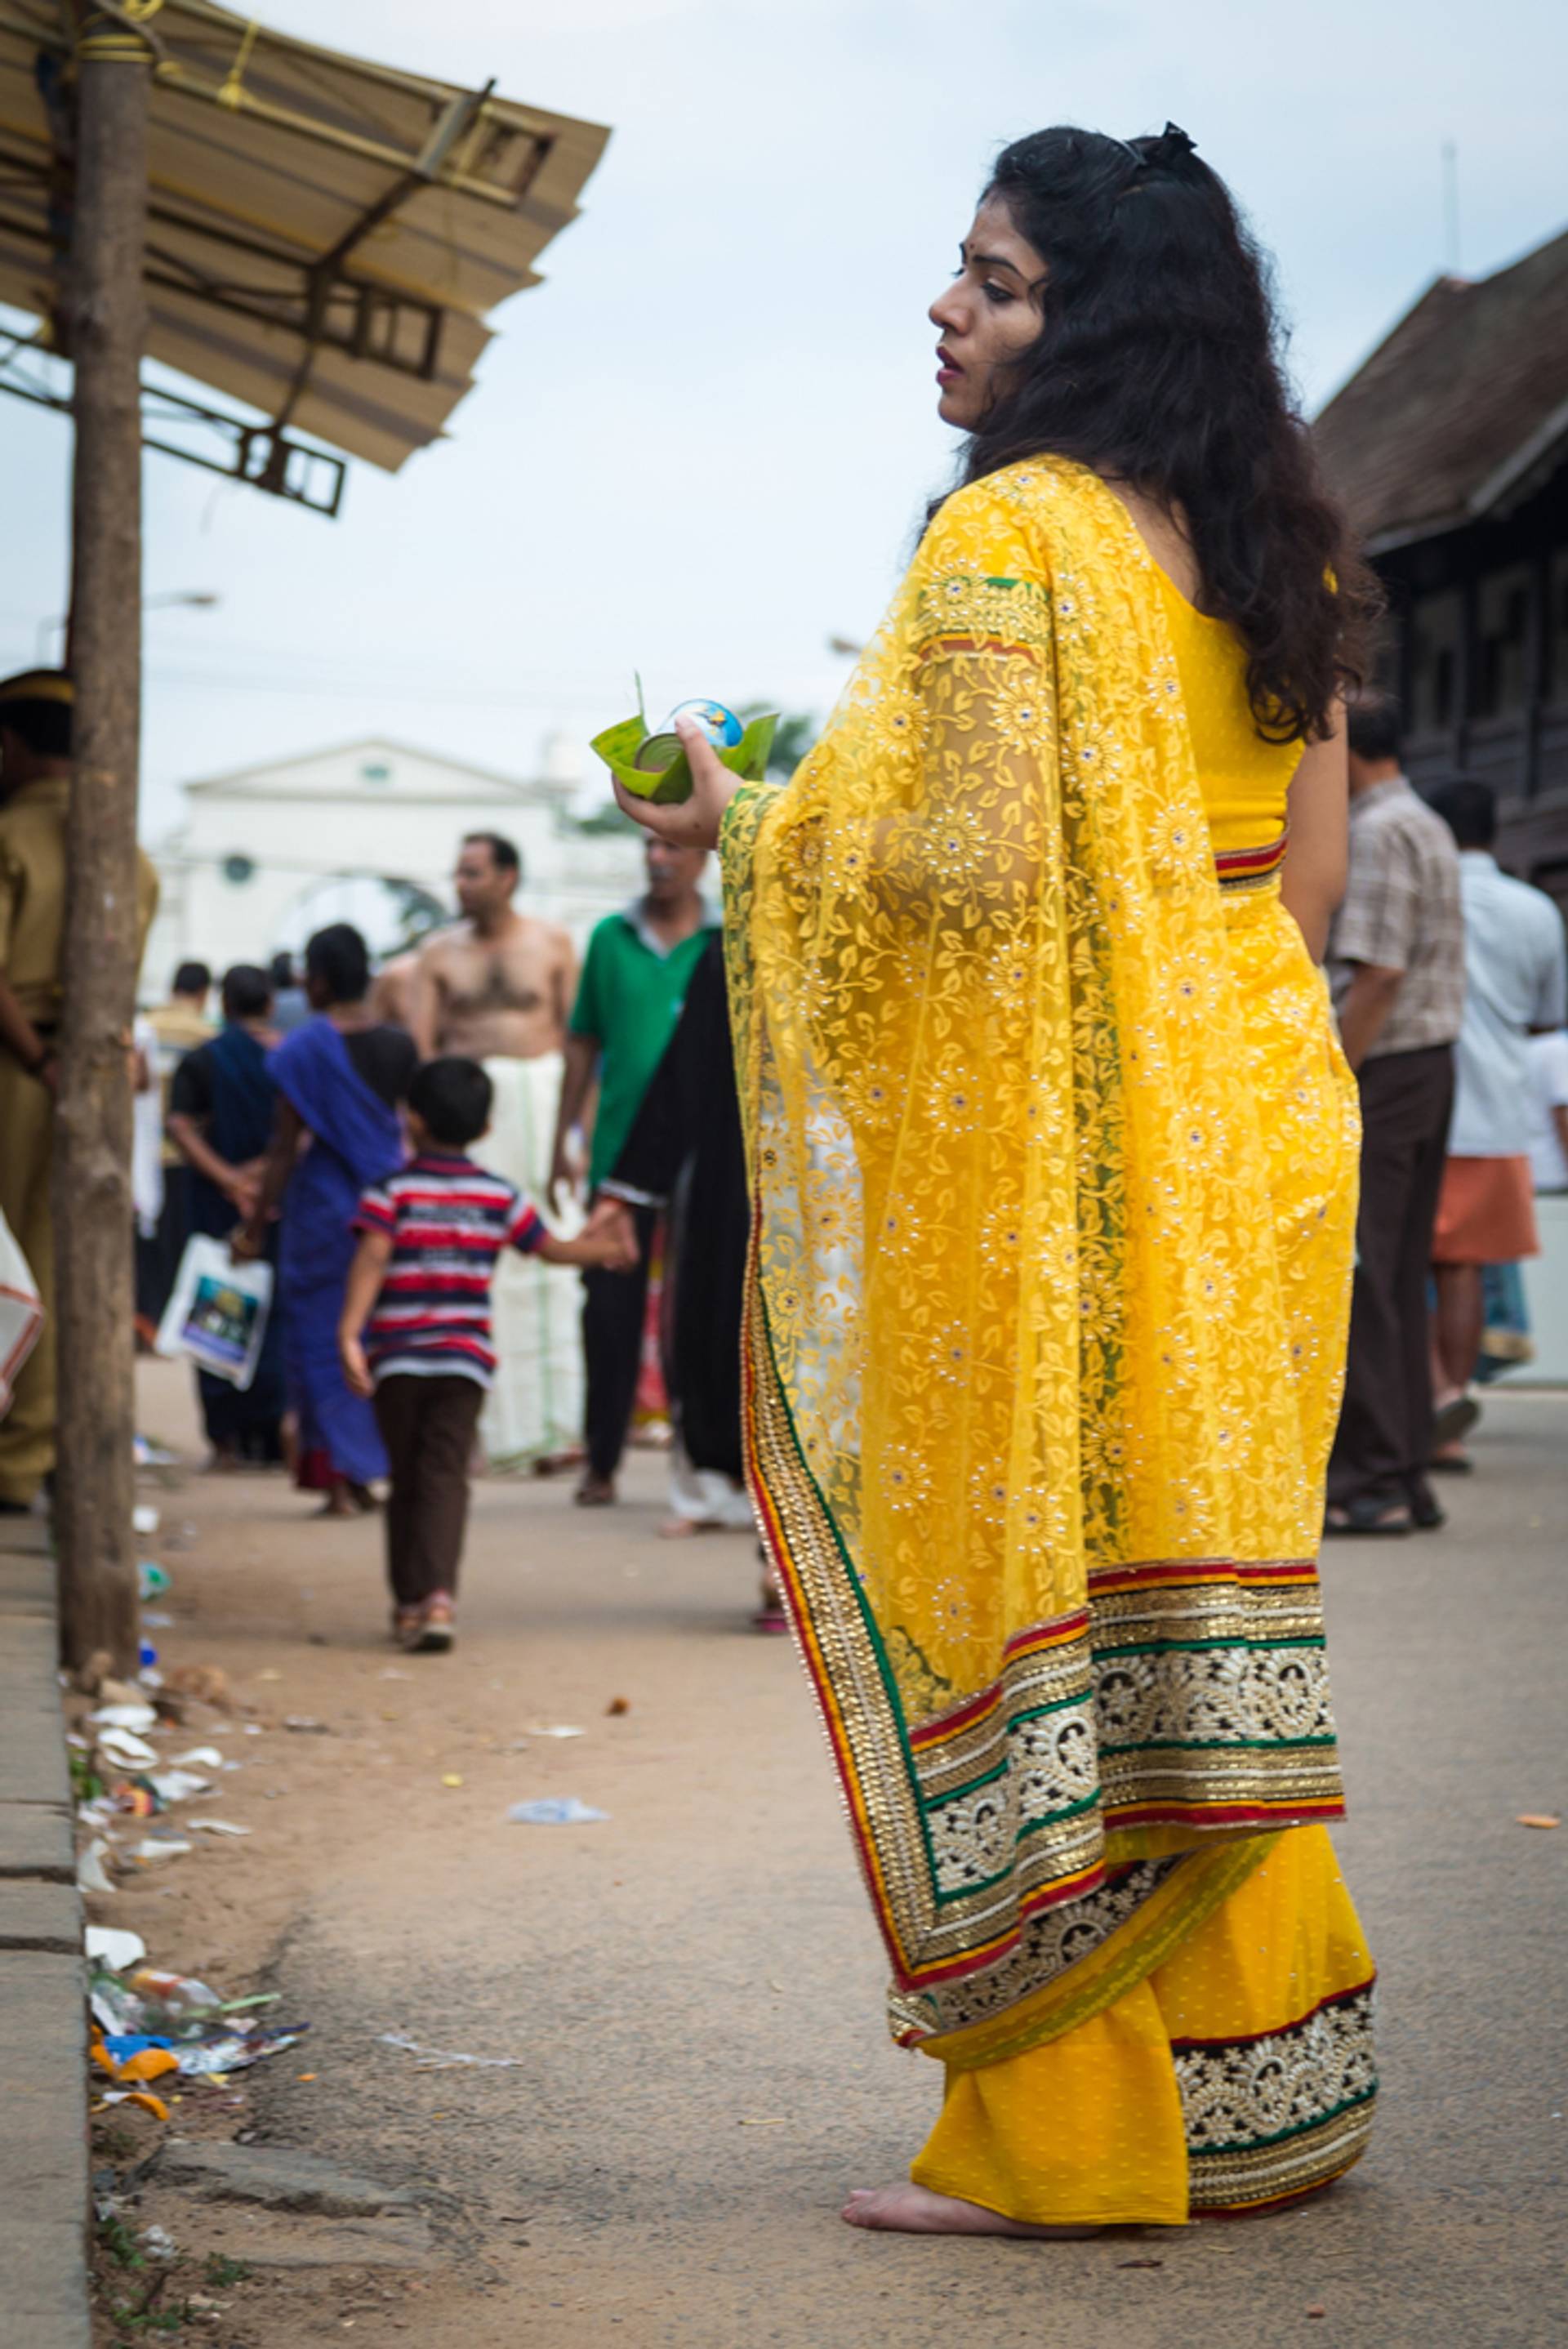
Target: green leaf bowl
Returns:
[[667, 786]]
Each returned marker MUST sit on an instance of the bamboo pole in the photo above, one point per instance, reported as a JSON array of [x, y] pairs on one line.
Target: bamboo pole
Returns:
[[92, 1200]]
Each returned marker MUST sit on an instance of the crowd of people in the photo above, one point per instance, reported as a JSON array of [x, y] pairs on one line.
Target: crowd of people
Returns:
[[1451, 991]]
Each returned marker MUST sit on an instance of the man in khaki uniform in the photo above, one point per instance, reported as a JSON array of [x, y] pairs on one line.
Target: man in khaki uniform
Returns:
[[35, 788]]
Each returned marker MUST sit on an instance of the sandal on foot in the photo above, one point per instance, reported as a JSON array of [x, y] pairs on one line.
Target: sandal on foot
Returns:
[[433, 1630], [1365, 1516], [595, 1493], [1453, 1420]]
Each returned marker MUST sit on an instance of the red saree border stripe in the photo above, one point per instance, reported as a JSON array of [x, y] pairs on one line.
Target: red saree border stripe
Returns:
[[1055, 1634], [1106, 1580], [1221, 1815], [1251, 863], [974, 1960], [1251, 2038]]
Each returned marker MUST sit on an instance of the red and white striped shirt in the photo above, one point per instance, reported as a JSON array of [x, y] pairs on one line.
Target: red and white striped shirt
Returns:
[[448, 1221]]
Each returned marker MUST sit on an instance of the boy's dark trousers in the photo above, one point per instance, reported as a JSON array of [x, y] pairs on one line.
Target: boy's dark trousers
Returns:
[[429, 1427]]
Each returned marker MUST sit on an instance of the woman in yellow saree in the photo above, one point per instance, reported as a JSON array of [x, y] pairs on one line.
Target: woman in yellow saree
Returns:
[[1053, 1156]]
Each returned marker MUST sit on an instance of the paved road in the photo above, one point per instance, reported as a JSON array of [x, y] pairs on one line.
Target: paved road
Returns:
[[692, 1992]]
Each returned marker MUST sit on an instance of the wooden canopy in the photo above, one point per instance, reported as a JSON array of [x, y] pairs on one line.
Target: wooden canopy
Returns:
[[325, 237]]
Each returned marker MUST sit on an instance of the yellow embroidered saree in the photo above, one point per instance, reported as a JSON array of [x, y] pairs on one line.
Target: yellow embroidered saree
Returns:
[[1053, 1165]]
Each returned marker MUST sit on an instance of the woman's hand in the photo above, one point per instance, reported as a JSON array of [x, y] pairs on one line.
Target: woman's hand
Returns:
[[694, 823]]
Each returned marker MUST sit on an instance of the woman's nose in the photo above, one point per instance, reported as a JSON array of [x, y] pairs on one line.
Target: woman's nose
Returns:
[[947, 311]]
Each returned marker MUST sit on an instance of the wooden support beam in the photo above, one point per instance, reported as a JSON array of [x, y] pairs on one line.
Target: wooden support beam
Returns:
[[92, 1202]]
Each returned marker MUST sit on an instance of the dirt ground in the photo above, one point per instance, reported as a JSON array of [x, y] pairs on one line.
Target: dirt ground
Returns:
[[678, 2009]]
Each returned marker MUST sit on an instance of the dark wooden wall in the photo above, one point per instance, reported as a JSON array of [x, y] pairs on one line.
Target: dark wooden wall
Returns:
[[1477, 651]]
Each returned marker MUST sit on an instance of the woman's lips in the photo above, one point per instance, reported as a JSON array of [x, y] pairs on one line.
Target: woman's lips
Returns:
[[947, 368]]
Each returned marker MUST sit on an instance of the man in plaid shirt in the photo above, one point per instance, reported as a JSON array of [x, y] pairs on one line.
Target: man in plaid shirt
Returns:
[[1396, 967]]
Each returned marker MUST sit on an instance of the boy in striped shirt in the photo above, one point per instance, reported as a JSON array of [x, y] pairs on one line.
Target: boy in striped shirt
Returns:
[[415, 1333]]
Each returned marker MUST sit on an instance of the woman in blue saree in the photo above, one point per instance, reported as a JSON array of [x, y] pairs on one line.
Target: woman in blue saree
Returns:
[[341, 1080]]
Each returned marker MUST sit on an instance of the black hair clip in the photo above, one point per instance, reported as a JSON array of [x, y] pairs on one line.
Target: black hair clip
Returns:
[[1164, 154]]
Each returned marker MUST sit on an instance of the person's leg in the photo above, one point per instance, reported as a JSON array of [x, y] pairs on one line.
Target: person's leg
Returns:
[[1413, 1277], [398, 1415], [449, 1418], [614, 1307], [26, 1130], [1367, 1465], [1457, 1327]]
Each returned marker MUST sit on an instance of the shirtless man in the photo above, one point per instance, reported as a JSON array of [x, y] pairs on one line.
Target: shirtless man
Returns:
[[499, 985], [498, 988]]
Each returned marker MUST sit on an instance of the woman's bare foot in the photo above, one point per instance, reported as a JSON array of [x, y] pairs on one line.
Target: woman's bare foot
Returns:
[[339, 1503], [595, 1492], [910, 2210]]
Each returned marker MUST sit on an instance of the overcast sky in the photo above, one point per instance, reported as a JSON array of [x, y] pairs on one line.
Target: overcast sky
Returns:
[[701, 445]]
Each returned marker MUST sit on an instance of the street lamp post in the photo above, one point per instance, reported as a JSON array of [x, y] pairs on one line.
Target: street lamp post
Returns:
[[191, 599]]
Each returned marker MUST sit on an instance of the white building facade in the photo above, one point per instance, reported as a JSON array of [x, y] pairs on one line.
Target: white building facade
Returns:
[[269, 853]]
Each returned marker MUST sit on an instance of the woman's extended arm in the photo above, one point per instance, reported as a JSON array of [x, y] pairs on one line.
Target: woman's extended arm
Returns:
[[282, 1153], [1316, 862]]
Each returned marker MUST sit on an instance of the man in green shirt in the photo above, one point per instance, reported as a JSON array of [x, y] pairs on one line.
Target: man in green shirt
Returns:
[[632, 987]]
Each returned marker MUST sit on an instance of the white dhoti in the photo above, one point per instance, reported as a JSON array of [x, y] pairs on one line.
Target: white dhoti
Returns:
[[535, 1406]]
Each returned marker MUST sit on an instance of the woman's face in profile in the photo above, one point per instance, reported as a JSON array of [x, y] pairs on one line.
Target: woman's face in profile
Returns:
[[988, 315]]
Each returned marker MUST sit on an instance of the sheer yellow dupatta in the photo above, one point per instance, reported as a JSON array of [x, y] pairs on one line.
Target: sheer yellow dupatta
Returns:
[[1034, 1444]]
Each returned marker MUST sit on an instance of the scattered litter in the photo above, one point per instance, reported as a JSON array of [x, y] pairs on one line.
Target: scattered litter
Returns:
[[200, 1757], [109, 1945], [556, 1729], [441, 2059], [554, 1811], [146, 1658], [1142, 2263], [307, 2075], [392, 1673], [176, 1785], [307, 1727], [151, 1578], [122, 1746], [618, 1704], [158, 1620], [451, 1779], [1538, 1819], [154, 1455], [143, 2096], [153, 1848], [1318, 2308], [776, 2122], [179, 2024], [90, 1876], [219, 1827], [145, 1517], [159, 2242], [251, 1729], [134, 1717]]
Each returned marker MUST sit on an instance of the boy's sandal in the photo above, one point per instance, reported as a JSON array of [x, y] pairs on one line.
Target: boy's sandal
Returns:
[[1365, 1516], [770, 1621], [433, 1631]]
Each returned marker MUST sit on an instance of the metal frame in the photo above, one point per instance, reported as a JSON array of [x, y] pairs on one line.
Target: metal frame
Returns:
[[262, 455], [328, 306]]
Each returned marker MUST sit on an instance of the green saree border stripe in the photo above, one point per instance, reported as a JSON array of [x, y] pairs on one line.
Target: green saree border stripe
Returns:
[[1201, 1647], [1233, 2145], [1214, 1876]]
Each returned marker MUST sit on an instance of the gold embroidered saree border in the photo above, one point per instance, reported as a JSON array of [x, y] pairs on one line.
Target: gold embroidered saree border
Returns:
[[1198, 1885]]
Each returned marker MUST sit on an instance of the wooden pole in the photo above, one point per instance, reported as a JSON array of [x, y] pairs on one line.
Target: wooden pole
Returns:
[[92, 1199]]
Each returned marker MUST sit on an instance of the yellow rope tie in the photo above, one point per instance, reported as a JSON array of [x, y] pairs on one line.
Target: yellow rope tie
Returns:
[[109, 35], [233, 92]]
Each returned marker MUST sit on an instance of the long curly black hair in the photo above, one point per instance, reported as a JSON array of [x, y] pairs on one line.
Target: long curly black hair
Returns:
[[1158, 363]]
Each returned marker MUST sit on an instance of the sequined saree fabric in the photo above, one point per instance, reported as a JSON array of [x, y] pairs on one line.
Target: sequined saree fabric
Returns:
[[1052, 1161]]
